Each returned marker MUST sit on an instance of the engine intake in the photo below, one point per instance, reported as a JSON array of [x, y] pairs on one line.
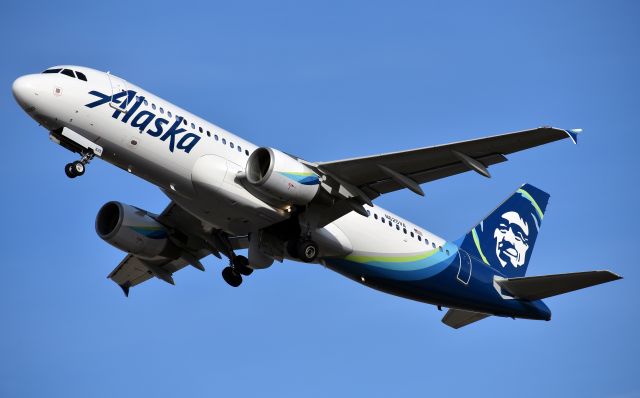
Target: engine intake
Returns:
[[281, 179], [132, 230]]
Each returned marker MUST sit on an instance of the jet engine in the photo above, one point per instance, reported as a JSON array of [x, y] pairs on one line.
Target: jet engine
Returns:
[[280, 179], [132, 230]]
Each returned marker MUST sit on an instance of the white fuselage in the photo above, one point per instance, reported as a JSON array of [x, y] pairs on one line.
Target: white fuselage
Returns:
[[199, 175]]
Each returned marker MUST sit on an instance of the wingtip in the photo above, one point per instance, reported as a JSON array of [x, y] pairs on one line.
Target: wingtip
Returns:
[[614, 276], [573, 134], [610, 276]]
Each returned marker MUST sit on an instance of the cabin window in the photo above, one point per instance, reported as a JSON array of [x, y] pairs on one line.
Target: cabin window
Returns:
[[419, 238], [193, 126], [404, 230], [412, 235], [161, 110], [398, 227], [231, 144], [146, 103], [169, 114], [208, 133], [224, 142], [216, 137], [153, 106], [375, 216], [246, 152], [200, 129], [184, 121], [239, 149]]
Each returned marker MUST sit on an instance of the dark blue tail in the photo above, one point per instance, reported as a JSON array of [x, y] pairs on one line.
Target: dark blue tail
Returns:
[[504, 239]]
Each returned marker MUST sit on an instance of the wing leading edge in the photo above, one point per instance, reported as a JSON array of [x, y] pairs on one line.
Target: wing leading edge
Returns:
[[378, 174]]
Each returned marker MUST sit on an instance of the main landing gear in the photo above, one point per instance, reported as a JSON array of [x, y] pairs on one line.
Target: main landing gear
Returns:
[[77, 168], [233, 273]]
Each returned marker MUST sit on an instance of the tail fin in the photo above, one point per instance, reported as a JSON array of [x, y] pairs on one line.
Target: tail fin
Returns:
[[504, 240]]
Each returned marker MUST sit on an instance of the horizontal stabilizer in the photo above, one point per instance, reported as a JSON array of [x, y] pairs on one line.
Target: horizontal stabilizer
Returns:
[[539, 287], [459, 318]]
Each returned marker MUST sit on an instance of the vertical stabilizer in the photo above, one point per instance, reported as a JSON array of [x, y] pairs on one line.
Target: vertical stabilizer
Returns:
[[504, 240]]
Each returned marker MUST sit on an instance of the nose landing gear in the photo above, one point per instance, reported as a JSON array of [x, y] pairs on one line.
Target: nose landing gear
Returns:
[[77, 168]]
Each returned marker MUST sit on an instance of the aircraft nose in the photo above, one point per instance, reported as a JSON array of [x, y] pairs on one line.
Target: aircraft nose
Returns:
[[24, 90]]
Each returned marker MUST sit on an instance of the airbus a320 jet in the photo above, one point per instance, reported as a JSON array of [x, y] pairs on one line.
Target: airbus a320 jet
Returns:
[[228, 194]]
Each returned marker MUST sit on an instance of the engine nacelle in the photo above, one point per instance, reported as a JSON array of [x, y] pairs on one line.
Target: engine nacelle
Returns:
[[280, 178], [132, 230]]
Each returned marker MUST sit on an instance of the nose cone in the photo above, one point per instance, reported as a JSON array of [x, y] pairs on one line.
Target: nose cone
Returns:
[[24, 90]]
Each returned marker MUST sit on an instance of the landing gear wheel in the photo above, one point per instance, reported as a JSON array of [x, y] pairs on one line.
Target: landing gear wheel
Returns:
[[68, 170], [307, 251], [231, 277], [78, 168], [241, 265]]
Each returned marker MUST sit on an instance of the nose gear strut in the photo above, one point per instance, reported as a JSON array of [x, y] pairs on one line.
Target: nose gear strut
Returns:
[[77, 168]]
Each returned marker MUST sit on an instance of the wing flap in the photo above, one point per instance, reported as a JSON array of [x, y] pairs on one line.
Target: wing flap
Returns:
[[539, 287], [435, 173], [458, 318]]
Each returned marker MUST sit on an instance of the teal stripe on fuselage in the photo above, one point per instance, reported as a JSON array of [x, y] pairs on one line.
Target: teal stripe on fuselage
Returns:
[[404, 268]]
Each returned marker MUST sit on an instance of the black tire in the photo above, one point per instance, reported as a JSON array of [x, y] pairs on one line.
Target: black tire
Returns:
[[307, 251], [231, 277], [78, 168], [246, 271], [240, 261], [68, 170], [241, 265]]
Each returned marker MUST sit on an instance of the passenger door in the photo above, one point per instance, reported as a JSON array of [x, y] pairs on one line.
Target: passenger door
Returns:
[[464, 270], [119, 97]]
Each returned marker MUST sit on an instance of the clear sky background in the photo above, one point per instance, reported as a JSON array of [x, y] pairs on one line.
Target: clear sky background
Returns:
[[328, 80]]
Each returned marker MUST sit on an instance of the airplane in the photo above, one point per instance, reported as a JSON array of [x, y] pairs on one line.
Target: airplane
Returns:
[[228, 194]]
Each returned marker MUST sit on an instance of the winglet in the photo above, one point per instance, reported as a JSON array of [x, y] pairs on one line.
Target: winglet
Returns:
[[125, 288], [573, 134]]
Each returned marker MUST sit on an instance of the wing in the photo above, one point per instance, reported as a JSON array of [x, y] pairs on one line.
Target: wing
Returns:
[[187, 232], [359, 180], [380, 174]]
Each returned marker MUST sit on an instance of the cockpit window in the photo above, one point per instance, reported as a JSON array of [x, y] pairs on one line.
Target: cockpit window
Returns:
[[68, 72]]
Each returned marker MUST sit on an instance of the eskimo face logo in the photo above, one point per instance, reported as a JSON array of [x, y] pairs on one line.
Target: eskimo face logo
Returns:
[[512, 239], [174, 135]]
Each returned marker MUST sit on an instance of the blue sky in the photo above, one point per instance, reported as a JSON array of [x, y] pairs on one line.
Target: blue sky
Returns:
[[327, 81]]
